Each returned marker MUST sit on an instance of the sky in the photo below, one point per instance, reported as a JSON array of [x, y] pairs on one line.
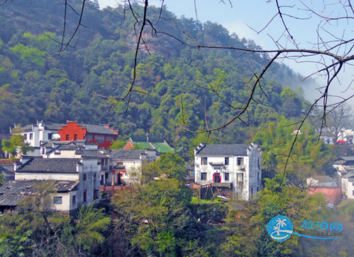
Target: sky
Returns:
[[246, 18]]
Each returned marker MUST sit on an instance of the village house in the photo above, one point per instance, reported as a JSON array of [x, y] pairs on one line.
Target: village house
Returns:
[[229, 169], [76, 182], [325, 185], [36, 134], [102, 135], [127, 166], [344, 166]]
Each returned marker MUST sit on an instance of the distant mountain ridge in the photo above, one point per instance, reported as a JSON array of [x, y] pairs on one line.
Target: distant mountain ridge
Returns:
[[178, 82]]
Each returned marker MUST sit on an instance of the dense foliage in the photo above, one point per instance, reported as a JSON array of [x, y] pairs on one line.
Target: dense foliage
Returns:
[[176, 85]]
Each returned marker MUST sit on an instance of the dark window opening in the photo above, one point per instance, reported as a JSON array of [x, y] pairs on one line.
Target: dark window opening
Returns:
[[74, 199], [57, 200], [239, 161], [204, 160], [85, 196], [67, 137], [95, 194], [75, 136], [239, 177], [203, 176], [226, 176], [226, 160]]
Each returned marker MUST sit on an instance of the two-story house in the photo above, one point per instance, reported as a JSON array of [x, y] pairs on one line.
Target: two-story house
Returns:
[[102, 135], [127, 166], [231, 167], [36, 134], [76, 182]]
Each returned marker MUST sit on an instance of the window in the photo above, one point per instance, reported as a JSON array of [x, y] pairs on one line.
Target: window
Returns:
[[89, 137], [99, 138], [85, 177], [353, 192], [74, 199], [43, 150], [239, 177], [25, 136], [259, 164], [95, 194], [226, 176], [226, 160], [31, 135], [75, 136], [109, 138], [204, 160], [258, 176], [353, 184], [67, 137], [251, 192], [106, 174], [50, 135], [239, 161], [203, 176], [217, 168], [85, 196], [57, 200]]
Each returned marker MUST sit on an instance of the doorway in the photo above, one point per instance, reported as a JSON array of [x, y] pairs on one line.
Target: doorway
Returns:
[[217, 178]]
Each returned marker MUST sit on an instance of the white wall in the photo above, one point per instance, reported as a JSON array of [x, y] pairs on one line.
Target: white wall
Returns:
[[252, 167], [46, 176]]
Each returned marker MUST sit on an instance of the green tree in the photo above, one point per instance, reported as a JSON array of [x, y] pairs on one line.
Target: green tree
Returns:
[[15, 145]]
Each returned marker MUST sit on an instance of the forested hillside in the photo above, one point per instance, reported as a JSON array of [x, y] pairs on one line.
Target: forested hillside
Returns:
[[176, 84]]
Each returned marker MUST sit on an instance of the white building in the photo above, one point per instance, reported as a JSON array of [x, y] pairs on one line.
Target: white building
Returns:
[[76, 182], [127, 165], [37, 133], [344, 166], [237, 167]]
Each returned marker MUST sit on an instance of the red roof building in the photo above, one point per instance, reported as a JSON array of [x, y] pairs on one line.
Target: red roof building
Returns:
[[102, 135]]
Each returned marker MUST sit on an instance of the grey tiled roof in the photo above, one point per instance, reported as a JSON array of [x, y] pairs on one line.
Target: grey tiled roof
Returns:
[[91, 154], [348, 175], [97, 129], [53, 126], [7, 167], [13, 192], [225, 149], [27, 128], [347, 158], [126, 154], [55, 165], [56, 142], [323, 179]]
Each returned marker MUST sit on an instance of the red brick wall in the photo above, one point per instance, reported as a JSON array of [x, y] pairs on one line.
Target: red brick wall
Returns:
[[332, 194], [71, 129]]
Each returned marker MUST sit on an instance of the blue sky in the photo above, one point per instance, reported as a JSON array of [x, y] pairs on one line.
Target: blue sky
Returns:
[[246, 17]]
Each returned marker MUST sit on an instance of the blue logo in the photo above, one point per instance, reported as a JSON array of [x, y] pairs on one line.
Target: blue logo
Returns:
[[280, 228]]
